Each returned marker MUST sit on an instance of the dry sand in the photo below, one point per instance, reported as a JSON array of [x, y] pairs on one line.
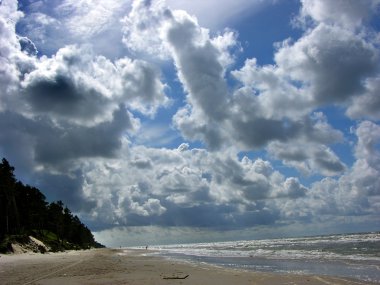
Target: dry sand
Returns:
[[111, 266]]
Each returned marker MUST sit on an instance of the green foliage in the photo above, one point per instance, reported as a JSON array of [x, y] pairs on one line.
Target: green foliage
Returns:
[[24, 211]]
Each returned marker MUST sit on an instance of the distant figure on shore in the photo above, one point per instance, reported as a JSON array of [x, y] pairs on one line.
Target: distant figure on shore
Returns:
[[146, 247]]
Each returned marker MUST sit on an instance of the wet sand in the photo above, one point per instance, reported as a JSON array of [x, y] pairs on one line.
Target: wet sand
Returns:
[[113, 266]]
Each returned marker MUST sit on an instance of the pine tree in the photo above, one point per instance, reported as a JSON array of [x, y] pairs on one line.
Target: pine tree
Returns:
[[24, 211], [10, 222]]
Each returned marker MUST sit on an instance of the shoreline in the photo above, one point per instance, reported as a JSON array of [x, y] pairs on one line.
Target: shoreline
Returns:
[[120, 266]]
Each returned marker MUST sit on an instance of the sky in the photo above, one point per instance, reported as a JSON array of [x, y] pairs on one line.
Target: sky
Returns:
[[187, 121]]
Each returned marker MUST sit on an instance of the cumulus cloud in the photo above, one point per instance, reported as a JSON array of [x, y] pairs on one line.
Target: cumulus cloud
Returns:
[[331, 62], [353, 193], [51, 25], [142, 28], [53, 144], [349, 13], [368, 143], [27, 46], [77, 85], [309, 153], [309, 158], [199, 68], [71, 106], [62, 86], [269, 106], [9, 49], [139, 84], [367, 105], [82, 19], [267, 93], [186, 187]]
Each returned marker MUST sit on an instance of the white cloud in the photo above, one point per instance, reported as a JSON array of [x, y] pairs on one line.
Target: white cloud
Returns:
[[54, 24], [348, 13], [13, 62], [354, 193], [268, 93], [154, 184], [270, 106], [368, 143], [67, 86], [142, 28], [84, 88], [9, 11], [221, 14], [139, 84], [73, 102], [88, 18], [154, 135], [330, 62]]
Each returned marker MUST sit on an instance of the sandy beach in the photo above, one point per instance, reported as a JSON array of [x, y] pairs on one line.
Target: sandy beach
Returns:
[[114, 266]]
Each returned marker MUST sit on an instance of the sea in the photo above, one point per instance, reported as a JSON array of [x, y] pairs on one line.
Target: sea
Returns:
[[354, 256]]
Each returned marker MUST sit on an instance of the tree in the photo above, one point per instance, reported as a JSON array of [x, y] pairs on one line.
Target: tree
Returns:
[[32, 207], [10, 222], [55, 213], [24, 211]]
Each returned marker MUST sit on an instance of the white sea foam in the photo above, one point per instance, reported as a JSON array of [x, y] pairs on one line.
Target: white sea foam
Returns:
[[336, 247], [353, 255]]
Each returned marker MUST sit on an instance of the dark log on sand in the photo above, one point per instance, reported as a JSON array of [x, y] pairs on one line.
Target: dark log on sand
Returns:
[[176, 277]]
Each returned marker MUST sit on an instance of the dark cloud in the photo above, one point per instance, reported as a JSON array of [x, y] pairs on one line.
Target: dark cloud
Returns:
[[60, 95], [256, 189], [142, 163], [308, 157], [16, 144], [326, 161], [291, 154], [201, 72], [74, 142], [207, 215], [28, 46], [199, 66], [367, 105], [256, 217], [67, 188], [202, 215], [64, 87], [259, 131], [46, 142]]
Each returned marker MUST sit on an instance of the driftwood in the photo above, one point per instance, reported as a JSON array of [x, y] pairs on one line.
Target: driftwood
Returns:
[[176, 277]]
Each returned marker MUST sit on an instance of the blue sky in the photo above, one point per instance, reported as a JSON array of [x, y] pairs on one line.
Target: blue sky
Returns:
[[179, 121]]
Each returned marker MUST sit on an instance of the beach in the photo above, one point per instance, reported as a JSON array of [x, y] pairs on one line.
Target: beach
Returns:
[[117, 266]]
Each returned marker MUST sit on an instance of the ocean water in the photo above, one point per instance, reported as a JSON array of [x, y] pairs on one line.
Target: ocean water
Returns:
[[350, 255]]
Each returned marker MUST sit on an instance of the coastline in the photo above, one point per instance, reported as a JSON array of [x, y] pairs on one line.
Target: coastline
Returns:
[[118, 266]]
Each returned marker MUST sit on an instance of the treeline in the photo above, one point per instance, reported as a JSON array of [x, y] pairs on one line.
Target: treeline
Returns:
[[24, 211]]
